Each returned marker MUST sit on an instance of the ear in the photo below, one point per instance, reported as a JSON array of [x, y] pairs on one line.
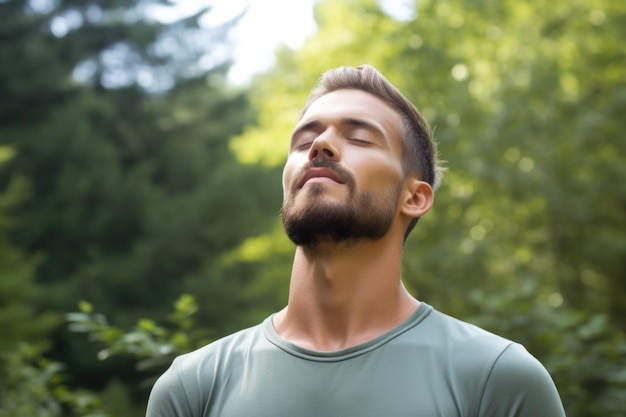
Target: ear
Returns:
[[417, 197]]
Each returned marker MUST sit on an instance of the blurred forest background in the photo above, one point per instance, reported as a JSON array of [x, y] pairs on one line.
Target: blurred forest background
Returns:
[[140, 189]]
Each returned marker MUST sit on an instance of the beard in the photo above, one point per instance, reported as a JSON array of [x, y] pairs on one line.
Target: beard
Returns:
[[362, 216]]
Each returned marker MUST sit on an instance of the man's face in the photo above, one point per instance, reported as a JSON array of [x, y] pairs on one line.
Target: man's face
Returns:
[[343, 176]]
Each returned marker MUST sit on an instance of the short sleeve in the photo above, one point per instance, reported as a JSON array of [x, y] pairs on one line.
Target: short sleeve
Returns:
[[168, 397], [519, 386]]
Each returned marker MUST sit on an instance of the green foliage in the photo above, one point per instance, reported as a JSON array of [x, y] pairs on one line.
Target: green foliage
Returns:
[[32, 386], [152, 345], [116, 400], [123, 142], [19, 319]]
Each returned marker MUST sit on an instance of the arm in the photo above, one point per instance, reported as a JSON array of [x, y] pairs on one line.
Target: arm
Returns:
[[168, 397], [519, 386]]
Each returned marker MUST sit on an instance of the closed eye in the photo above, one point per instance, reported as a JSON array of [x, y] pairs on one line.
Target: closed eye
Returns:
[[304, 145], [359, 141]]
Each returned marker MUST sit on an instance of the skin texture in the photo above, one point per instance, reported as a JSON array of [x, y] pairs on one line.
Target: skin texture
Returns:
[[345, 159]]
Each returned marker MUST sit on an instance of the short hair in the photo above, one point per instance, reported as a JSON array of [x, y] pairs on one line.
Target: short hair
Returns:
[[419, 153]]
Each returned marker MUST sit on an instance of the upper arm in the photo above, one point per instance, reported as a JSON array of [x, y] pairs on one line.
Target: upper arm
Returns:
[[519, 386], [168, 397]]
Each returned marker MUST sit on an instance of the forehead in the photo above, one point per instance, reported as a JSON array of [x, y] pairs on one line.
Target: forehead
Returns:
[[356, 104]]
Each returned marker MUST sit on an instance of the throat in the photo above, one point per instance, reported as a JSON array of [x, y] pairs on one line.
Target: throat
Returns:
[[337, 322], [343, 296]]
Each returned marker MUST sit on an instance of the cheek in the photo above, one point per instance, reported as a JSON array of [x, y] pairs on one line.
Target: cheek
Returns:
[[285, 176], [382, 173], [288, 172]]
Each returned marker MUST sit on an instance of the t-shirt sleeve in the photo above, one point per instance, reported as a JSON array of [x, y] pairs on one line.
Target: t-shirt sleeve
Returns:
[[168, 397], [519, 386]]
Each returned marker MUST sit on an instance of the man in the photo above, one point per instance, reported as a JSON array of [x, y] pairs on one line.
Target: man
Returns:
[[352, 341]]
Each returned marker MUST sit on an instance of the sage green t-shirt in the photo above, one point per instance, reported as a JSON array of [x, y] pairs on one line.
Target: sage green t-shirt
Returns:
[[431, 365]]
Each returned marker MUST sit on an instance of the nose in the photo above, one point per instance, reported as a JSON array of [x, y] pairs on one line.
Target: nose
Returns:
[[324, 146]]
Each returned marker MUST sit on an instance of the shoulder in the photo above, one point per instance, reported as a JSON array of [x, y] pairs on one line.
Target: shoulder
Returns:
[[226, 348], [464, 338], [498, 376], [467, 351], [184, 387], [519, 385]]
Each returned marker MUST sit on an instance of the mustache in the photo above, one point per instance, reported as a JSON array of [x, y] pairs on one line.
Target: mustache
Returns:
[[341, 172]]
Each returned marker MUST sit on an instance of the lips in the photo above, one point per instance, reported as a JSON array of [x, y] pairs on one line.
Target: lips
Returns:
[[320, 173]]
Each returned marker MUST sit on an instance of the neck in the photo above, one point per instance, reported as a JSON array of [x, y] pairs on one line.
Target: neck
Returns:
[[344, 294]]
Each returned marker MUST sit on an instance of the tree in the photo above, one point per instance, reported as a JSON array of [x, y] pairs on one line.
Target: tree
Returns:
[[18, 317], [525, 102], [122, 140], [30, 385]]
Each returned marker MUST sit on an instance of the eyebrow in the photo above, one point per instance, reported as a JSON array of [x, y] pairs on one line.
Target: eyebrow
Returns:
[[362, 124], [348, 121]]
